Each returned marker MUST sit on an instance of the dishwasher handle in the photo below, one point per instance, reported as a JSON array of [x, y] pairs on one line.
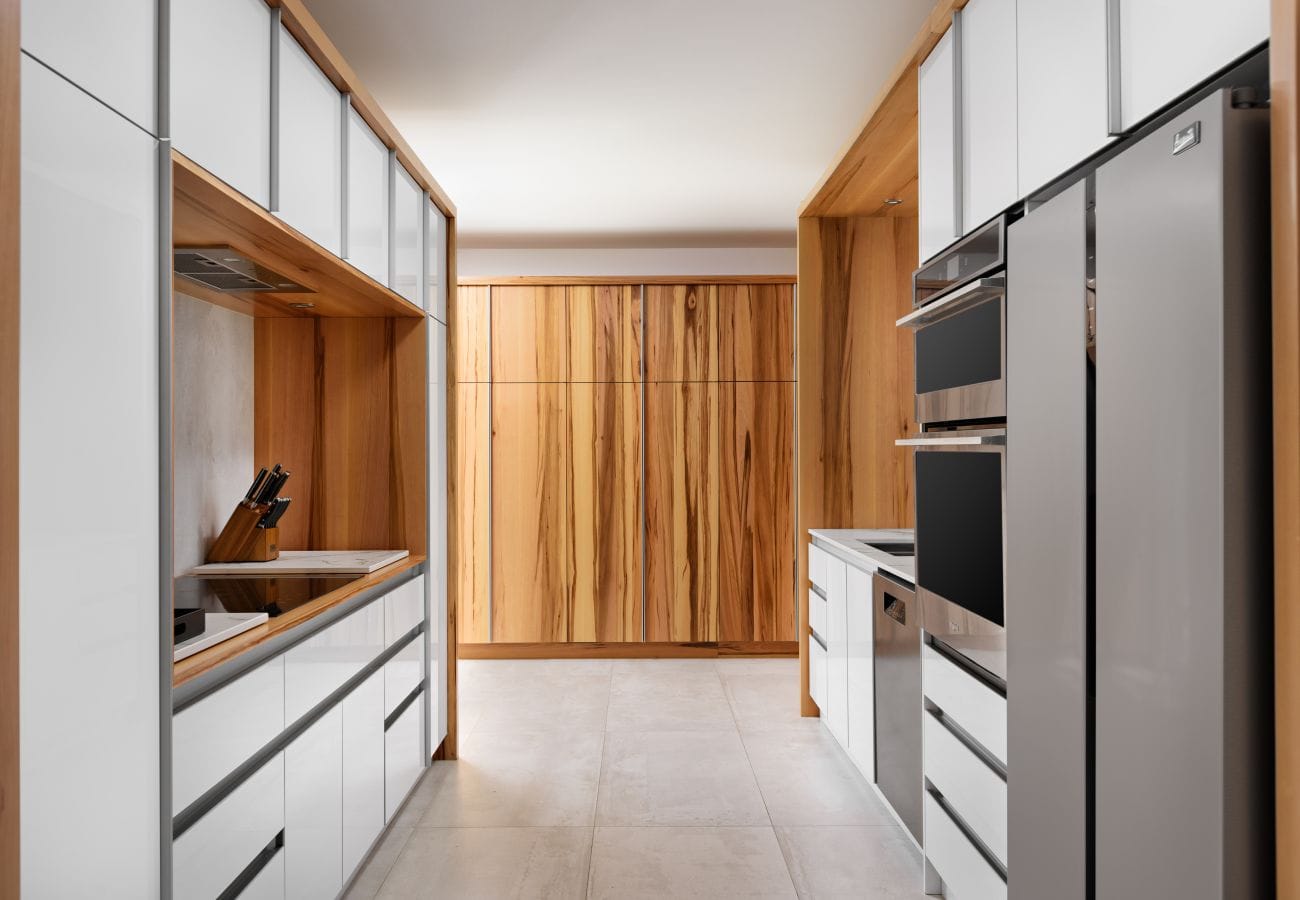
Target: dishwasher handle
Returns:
[[894, 607]]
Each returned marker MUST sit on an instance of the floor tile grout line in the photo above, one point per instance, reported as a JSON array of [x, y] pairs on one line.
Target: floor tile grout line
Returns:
[[600, 775]]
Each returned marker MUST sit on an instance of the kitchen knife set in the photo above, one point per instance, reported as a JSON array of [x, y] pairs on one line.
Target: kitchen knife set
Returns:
[[250, 535]]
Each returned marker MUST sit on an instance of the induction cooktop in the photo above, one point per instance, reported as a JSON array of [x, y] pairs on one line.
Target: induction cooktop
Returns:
[[239, 594]]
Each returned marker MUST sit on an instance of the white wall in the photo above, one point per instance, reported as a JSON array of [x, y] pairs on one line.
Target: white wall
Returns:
[[488, 263]]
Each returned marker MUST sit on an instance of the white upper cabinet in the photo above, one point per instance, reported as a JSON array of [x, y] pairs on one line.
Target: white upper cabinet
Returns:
[[1168, 46], [1061, 70], [309, 164], [408, 234], [109, 50], [367, 203], [435, 262], [939, 205], [221, 90], [988, 78]]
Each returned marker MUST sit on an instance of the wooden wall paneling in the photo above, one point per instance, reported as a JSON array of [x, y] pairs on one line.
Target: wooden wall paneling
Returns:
[[633, 280], [756, 332], [808, 305], [682, 467], [468, 506], [531, 549], [409, 427], [604, 332], [630, 650], [681, 332], [605, 510], [469, 335], [10, 177], [756, 579], [530, 334], [287, 378]]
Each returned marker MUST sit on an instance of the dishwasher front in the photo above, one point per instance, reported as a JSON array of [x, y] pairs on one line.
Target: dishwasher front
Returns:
[[897, 638]]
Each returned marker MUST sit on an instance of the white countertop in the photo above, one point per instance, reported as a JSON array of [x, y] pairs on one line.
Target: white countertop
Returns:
[[847, 544]]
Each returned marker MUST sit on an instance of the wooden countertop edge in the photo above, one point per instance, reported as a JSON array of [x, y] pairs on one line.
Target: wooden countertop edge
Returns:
[[227, 651], [506, 280]]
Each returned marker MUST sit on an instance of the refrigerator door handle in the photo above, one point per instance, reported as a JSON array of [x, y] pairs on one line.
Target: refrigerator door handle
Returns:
[[1114, 101]]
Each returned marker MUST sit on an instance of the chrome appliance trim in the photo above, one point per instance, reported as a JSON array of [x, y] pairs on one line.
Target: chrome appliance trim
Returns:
[[964, 297]]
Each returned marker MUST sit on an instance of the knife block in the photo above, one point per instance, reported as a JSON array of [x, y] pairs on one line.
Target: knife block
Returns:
[[265, 545], [239, 535]]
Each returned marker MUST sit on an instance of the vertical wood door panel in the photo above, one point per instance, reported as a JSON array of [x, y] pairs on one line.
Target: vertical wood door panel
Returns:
[[531, 550], [681, 332], [468, 498], [756, 332], [469, 335], [605, 505], [530, 333], [604, 333], [756, 598], [286, 374], [682, 461]]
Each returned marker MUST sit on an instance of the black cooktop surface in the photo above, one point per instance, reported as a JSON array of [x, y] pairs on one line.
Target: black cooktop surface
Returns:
[[239, 594]]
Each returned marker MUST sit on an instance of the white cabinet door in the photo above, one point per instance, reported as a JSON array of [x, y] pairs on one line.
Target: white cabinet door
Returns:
[[836, 711], [408, 235], [1061, 73], [309, 135], [403, 757], [313, 810], [435, 261], [939, 205], [367, 204], [861, 673], [322, 663], [106, 49], [1166, 47], [268, 884], [402, 675], [403, 610], [988, 93], [88, 490], [436, 627], [363, 770], [221, 90]]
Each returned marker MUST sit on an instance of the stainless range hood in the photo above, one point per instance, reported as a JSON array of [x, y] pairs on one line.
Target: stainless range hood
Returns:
[[229, 271]]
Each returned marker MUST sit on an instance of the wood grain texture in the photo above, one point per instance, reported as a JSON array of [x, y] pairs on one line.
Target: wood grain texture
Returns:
[[638, 650], [467, 504], [681, 332], [10, 293], [634, 280], [286, 401], [469, 331], [531, 547], [1284, 63], [756, 581], [604, 333], [530, 334], [756, 332], [409, 454], [605, 509], [682, 461]]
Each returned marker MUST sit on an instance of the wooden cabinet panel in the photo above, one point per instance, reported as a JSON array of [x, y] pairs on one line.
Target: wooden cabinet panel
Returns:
[[681, 332], [604, 333], [531, 550], [468, 496], [605, 504], [470, 327], [756, 503], [529, 333], [682, 461], [756, 332]]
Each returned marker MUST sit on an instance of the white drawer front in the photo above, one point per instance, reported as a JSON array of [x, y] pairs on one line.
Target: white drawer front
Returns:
[[966, 874], [974, 790], [322, 663], [976, 707], [817, 614], [223, 730], [403, 610], [402, 758], [402, 674], [269, 883], [219, 846], [817, 558], [817, 673]]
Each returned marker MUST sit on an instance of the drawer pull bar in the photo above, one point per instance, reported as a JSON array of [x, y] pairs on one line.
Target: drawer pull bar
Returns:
[[406, 702], [253, 869], [967, 832], [966, 739]]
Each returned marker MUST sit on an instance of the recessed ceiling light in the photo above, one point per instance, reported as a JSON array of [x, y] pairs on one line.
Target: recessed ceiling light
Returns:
[[302, 305], [893, 201]]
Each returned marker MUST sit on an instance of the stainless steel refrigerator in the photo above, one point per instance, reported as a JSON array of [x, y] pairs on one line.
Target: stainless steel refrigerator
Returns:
[[1139, 553]]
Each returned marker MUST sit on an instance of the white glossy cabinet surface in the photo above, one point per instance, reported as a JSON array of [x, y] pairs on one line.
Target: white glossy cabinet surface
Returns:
[[1061, 73], [988, 94], [1166, 47], [403, 758], [309, 168], [88, 382], [435, 261], [403, 674], [221, 90], [313, 810], [214, 736], [208, 857], [836, 711], [937, 147], [966, 874], [817, 674], [817, 559], [107, 49], [270, 883], [861, 700], [408, 235], [367, 207], [975, 791], [322, 663], [817, 614], [363, 769], [403, 610], [436, 627], [977, 708]]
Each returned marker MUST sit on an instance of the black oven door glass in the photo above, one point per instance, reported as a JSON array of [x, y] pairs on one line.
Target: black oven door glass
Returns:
[[963, 349], [959, 529]]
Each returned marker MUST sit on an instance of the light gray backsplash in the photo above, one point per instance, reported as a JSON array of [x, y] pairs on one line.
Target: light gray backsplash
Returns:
[[213, 422]]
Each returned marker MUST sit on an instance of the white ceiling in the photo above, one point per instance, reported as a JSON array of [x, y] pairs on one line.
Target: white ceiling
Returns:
[[587, 123]]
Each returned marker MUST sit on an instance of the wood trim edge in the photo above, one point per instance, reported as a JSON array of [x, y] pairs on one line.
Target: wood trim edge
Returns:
[[630, 650], [568, 280]]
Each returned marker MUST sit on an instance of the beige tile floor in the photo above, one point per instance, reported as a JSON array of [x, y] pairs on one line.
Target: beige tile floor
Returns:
[[640, 779]]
